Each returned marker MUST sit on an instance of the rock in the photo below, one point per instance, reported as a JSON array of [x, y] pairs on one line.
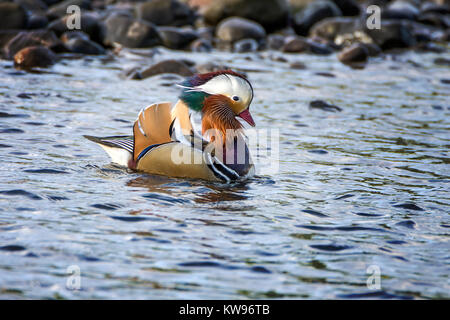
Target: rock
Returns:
[[298, 5], [6, 36], [210, 67], [69, 35], [431, 7], [320, 104], [271, 14], [201, 45], [46, 38], [393, 34], [175, 38], [13, 16], [130, 32], [297, 65], [165, 13], [35, 56], [442, 61], [206, 33], [234, 28], [37, 21], [430, 47], [348, 7], [435, 19], [246, 45], [35, 6], [330, 28], [373, 49], [357, 52], [84, 45], [301, 44], [400, 10], [313, 13], [275, 41], [319, 48], [166, 66], [59, 10], [295, 44], [89, 23]]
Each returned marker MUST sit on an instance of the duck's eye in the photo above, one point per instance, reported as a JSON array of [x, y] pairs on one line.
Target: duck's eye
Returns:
[[235, 98]]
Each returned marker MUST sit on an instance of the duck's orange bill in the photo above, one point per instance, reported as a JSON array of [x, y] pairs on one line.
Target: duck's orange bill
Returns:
[[247, 117]]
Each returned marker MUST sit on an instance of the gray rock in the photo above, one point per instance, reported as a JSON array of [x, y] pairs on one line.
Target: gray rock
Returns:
[[313, 13], [84, 46], [130, 32], [393, 34], [35, 56], [400, 10], [13, 16], [357, 52], [271, 14], [46, 38], [234, 29], [89, 23], [175, 38], [246, 45], [165, 12], [167, 66], [37, 21]]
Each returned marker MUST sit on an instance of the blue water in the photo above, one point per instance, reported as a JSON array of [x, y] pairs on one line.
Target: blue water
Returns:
[[367, 187]]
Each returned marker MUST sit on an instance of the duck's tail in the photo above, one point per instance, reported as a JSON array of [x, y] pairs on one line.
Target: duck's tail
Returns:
[[119, 148]]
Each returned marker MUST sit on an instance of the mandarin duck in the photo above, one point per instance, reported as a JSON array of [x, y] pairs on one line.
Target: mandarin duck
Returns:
[[165, 141]]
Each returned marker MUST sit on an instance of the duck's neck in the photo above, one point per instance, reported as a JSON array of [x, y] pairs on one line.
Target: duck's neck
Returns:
[[227, 135], [218, 120]]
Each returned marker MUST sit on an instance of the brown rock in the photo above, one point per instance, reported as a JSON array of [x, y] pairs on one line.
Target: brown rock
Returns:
[[355, 53], [234, 29], [25, 39], [166, 66], [36, 56], [295, 44]]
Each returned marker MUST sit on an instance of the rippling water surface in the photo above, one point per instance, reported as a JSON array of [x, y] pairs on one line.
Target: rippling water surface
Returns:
[[368, 186]]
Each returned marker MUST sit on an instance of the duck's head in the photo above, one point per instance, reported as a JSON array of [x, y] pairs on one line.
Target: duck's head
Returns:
[[221, 97]]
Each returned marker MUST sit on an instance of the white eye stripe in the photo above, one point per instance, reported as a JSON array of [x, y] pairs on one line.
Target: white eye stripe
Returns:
[[229, 86]]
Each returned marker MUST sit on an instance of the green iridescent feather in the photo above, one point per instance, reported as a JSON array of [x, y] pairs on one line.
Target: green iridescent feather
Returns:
[[193, 99]]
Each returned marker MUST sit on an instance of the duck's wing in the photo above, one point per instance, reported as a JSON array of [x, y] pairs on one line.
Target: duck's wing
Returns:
[[152, 128], [176, 159], [119, 148], [182, 127]]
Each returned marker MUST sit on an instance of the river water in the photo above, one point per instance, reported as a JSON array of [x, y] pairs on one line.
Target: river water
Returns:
[[358, 193]]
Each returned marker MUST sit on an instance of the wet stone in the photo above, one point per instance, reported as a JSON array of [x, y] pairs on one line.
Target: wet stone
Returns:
[[322, 105]]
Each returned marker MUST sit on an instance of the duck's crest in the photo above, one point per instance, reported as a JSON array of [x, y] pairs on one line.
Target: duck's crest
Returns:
[[195, 88]]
